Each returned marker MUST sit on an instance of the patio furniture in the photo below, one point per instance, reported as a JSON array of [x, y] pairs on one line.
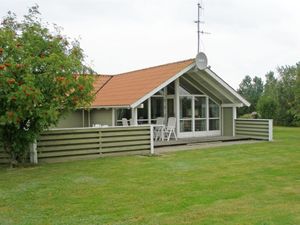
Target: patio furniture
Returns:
[[131, 122], [159, 129], [124, 122], [170, 128]]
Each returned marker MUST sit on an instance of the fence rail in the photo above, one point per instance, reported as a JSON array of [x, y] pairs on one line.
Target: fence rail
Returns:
[[84, 143], [254, 128]]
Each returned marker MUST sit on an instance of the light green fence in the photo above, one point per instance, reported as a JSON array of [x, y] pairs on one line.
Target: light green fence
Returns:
[[84, 143], [254, 128]]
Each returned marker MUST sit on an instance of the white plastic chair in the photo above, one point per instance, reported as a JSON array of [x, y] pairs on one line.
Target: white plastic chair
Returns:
[[124, 122], [131, 122], [158, 130], [170, 128]]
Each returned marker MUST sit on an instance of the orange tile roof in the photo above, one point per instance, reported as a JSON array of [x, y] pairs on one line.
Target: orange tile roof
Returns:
[[100, 81], [127, 88]]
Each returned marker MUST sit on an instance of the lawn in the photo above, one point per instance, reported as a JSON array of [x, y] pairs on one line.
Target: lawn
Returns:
[[240, 184]]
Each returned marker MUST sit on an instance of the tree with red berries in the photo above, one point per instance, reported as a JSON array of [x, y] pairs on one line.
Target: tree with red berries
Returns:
[[39, 81]]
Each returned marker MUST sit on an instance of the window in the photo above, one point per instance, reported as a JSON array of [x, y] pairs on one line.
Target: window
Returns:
[[157, 107], [213, 109], [200, 107], [170, 107], [142, 113], [214, 116], [122, 113], [185, 88], [200, 113], [159, 93], [186, 113], [171, 89], [200, 125], [214, 124]]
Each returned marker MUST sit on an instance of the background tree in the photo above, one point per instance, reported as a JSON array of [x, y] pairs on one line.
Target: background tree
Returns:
[[251, 89], [287, 88], [38, 81], [297, 93], [271, 85], [280, 98], [266, 107]]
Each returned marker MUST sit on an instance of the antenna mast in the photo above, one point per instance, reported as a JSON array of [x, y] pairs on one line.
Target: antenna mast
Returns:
[[198, 21], [198, 26]]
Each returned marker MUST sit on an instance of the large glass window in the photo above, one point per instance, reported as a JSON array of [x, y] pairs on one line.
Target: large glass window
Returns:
[[171, 89], [122, 113], [143, 113], [213, 109], [159, 93], [170, 108], [185, 107], [185, 113], [185, 88], [214, 124], [200, 107], [185, 125], [200, 125], [200, 113], [214, 116], [157, 107]]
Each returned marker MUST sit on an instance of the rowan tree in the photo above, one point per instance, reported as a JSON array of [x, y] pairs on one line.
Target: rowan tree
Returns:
[[39, 80]]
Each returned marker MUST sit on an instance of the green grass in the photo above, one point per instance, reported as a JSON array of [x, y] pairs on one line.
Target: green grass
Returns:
[[241, 184]]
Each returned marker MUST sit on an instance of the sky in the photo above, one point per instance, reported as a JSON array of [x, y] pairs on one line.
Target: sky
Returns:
[[246, 37]]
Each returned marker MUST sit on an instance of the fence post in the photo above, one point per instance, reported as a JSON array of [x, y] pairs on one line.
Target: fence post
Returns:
[[271, 130], [233, 120], [100, 142], [151, 140], [33, 153]]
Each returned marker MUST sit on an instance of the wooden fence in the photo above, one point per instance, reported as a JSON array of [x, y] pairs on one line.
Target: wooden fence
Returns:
[[84, 143], [254, 128]]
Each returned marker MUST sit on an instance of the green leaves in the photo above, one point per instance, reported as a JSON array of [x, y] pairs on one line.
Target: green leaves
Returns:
[[251, 89], [39, 80]]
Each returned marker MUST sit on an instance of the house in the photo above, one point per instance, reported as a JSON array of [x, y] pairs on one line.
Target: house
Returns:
[[202, 102]]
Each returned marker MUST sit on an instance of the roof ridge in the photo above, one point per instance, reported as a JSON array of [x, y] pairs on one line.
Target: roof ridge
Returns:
[[151, 67]]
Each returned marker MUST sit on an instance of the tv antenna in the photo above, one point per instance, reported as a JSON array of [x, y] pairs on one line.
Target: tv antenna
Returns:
[[199, 21]]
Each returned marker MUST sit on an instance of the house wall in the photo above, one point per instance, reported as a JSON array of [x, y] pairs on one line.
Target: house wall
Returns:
[[73, 119], [101, 116], [97, 116], [227, 121]]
